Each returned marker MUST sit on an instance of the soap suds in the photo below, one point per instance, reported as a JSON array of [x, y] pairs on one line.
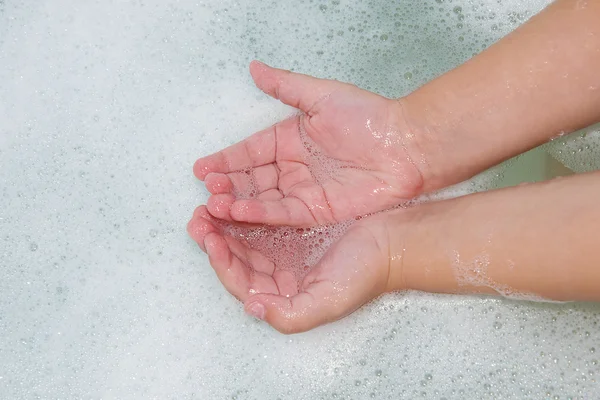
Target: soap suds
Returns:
[[292, 249], [474, 272], [104, 110]]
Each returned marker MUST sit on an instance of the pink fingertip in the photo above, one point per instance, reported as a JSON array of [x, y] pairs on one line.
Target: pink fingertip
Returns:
[[199, 212], [219, 206], [257, 310], [217, 183], [201, 169]]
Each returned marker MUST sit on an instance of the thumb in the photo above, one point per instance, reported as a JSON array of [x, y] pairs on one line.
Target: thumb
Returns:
[[296, 90], [318, 304]]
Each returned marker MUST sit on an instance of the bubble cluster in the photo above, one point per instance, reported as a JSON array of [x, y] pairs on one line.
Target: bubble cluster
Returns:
[[474, 272], [579, 151], [248, 189], [296, 250], [321, 167]]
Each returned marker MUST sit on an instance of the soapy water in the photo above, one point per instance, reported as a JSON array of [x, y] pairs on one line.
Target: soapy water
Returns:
[[579, 151], [292, 249], [321, 167], [474, 273], [102, 295], [298, 250]]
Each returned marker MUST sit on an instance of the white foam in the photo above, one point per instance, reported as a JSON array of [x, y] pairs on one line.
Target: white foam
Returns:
[[104, 110]]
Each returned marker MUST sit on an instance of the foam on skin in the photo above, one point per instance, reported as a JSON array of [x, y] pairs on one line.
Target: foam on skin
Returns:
[[474, 272], [296, 250]]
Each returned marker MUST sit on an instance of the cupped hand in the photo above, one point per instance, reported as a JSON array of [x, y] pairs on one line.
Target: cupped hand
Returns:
[[349, 152], [272, 280]]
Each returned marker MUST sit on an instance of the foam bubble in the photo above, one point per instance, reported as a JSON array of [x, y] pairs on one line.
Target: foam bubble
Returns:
[[322, 167], [579, 151], [292, 249], [474, 272]]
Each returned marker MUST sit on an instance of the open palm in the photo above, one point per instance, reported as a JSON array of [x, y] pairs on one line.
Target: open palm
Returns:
[[293, 298], [348, 153]]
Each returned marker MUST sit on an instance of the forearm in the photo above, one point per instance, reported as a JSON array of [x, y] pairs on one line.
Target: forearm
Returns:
[[538, 82], [539, 239]]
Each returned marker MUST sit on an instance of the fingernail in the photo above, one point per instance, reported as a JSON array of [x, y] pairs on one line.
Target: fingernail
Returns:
[[257, 310]]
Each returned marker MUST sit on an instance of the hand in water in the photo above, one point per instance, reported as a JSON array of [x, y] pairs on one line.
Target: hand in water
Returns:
[[353, 271], [349, 153]]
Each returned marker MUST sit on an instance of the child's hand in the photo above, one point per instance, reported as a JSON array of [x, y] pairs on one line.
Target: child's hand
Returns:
[[353, 271], [350, 153]]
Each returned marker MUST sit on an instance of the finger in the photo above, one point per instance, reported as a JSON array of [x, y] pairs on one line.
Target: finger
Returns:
[[287, 211], [244, 185], [219, 206], [217, 183], [313, 307], [287, 282], [200, 226], [231, 271], [260, 179], [258, 149], [251, 257], [296, 90]]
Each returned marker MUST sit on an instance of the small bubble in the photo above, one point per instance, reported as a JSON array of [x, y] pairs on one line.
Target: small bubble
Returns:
[[33, 246]]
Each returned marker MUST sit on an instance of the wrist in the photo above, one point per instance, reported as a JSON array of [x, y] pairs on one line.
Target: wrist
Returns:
[[435, 144], [402, 227], [422, 239]]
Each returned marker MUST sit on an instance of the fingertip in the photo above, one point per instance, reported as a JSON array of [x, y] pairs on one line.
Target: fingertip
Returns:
[[256, 67], [254, 64], [217, 183], [219, 206], [200, 212], [198, 228], [218, 253], [255, 309], [280, 312], [201, 168]]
